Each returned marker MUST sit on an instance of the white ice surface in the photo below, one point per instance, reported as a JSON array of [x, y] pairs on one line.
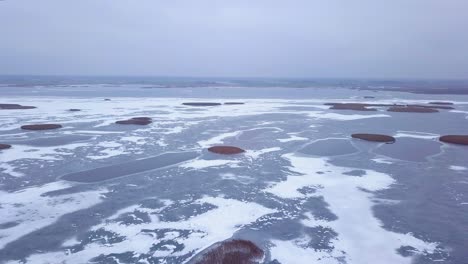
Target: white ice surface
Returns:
[[201, 163], [382, 161], [292, 138], [344, 117], [414, 134], [458, 168], [107, 153], [9, 169], [219, 139], [18, 152], [134, 139]]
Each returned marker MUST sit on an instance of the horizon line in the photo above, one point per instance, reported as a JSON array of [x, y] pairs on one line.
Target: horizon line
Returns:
[[236, 77]]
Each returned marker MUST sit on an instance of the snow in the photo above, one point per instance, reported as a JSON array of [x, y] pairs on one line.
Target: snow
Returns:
[[204, 232], [219, 139], [201, 164], [292, 138], [415, 134], [458, 168], [255, 154], [33, 210], [351, 200]]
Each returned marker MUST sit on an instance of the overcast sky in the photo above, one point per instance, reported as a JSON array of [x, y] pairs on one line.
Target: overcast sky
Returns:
[[241, 38]]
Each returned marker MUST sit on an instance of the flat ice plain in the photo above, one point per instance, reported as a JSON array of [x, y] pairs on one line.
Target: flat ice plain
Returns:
[[304, 190]]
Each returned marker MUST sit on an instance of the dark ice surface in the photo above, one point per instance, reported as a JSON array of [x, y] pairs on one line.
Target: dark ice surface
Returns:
[[129, 168], [410, 149], [329, 147]]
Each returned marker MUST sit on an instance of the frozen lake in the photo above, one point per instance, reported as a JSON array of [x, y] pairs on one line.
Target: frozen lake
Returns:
[[304, 191]]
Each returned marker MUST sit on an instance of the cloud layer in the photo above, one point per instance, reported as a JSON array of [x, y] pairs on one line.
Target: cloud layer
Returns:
[[298, 38]]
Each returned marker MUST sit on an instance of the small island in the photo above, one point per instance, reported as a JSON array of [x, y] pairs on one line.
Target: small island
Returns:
[[15, 106], [233, 251], [201, 104], [412, 109], [234, 103], [226, 150], [455, 139], [41, 127], [135, 121], [4, 146], [374, 137], [441, 103]]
